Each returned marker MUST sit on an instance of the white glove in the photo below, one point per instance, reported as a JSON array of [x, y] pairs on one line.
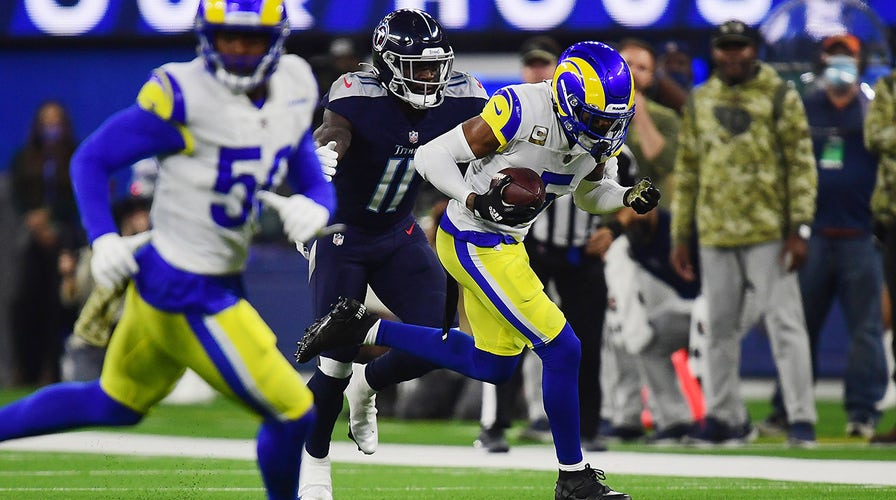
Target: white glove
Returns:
[[328, 158], [302, 217], [113, 261]]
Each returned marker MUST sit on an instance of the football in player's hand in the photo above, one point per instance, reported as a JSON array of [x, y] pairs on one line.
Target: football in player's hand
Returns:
[[525, 189]]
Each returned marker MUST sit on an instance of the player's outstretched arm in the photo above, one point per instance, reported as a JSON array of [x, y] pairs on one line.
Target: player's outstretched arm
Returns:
[[599, 194]]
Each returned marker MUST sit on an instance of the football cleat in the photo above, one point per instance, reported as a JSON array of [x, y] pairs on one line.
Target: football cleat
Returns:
[[314, 478], [346, 324], [714, 432], [801, 435], [361, 411], [863, 428], [492, 440], [585, 484]]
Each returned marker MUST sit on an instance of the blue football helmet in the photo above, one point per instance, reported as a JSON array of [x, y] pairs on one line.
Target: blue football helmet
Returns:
[[406, 44], [266, 17], [594, 96]]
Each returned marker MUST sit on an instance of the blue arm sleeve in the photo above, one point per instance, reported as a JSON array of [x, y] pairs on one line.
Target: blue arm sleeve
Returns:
[[129, 135], [305, 175]]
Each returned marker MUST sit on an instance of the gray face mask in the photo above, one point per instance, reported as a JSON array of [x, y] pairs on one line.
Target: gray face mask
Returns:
[[842, 71]]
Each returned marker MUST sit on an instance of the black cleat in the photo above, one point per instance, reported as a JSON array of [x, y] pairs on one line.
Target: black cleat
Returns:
[[585, 484], [492, 441], [346, 324]]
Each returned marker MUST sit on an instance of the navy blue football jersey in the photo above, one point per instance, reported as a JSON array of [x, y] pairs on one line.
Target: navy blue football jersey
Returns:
[[376, 183]]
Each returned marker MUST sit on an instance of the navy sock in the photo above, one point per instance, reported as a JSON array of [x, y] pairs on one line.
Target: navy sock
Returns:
[[560, 359], [328, 403], [279, 451], [396, 366], [457, 352], [64, 406]]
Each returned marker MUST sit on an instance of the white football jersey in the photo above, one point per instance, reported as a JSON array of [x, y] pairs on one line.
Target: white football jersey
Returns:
[[204, 208], [531, 136]]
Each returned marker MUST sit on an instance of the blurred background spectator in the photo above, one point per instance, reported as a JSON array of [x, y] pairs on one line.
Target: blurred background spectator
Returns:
[[648, 319], [42, 193], [675, 63], [843, 265], [670, 82], [880, 138], [746, 127], [9, 225]]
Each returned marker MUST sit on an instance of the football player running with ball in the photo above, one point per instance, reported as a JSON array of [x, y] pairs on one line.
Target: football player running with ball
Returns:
[[227, 127], [569, 131], [374, 121]]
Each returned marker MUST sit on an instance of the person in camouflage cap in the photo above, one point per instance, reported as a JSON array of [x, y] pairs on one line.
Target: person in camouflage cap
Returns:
[[880, 139], [746, 182]]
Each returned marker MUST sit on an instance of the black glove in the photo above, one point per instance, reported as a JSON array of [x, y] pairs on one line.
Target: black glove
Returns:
[[490, 206], [642, 197]]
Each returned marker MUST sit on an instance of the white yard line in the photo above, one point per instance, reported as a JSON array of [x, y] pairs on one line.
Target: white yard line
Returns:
[[871, 472]]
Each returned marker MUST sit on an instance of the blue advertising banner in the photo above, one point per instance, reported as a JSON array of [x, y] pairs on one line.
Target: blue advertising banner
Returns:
[[141, 18]]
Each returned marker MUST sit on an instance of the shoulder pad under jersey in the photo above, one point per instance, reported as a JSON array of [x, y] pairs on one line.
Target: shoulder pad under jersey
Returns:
[[161, 95], [464, 85], [504, 114], [357, 84]]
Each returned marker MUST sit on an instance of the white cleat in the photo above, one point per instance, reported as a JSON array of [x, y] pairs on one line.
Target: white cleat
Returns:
[[361, 411], [314, 478]]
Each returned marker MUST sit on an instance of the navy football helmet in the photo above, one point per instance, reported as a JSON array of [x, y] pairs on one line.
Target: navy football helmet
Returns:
[[412, 57], [594, 96], [265, 17]]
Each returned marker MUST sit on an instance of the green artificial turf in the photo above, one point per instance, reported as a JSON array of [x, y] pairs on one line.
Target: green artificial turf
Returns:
[[40, 475]]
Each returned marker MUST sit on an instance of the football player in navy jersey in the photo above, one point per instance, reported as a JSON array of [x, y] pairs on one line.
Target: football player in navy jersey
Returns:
[[373, 123], [227, 127]]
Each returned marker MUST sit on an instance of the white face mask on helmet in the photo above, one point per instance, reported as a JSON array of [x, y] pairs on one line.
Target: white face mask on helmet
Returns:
[[412, 57]]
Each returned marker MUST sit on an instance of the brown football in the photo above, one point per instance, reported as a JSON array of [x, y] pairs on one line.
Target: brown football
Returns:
[[525, 189]]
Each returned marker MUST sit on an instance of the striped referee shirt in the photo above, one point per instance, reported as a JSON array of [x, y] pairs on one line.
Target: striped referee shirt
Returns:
[[564, 225]]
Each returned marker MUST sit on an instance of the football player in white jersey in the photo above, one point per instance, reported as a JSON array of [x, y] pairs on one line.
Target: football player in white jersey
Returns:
[[226, 127], [568, 130]]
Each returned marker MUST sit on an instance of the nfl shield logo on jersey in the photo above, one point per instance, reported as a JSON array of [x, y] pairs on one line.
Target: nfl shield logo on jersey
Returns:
[[413, 136], [338, 238]]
